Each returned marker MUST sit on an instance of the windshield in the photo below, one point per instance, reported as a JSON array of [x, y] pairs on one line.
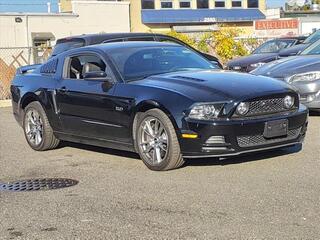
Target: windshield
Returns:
[[313, 37], [274, 46], [67, 45], [137, 63], [313, 49]]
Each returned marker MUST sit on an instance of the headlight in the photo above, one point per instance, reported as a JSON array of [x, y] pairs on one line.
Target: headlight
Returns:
[[256, 65], [243, 108], [205, 111], [309, 76], [288, 102]]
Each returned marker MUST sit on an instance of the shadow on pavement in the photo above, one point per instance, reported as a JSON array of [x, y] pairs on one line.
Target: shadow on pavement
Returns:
[[314, 113], [265, 155], [109, 151]]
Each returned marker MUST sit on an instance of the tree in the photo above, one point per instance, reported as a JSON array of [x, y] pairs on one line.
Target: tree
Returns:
[[224, 43]]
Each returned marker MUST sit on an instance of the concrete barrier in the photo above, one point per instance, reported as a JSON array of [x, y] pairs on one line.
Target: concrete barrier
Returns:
[[5, 103]]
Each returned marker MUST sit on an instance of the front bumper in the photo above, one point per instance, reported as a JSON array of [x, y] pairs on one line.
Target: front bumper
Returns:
[[240, 136]]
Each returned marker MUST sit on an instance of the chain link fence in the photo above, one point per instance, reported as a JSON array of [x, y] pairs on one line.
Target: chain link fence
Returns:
[[13, 58]]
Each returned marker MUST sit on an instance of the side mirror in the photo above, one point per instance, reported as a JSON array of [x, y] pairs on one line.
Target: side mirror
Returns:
[[212, 59], [96, 76], [215, 63]]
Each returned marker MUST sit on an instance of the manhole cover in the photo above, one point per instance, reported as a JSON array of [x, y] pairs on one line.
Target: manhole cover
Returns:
[[37, 184]]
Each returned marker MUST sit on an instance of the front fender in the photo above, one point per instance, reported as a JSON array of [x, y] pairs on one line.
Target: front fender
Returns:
[[149, 104]]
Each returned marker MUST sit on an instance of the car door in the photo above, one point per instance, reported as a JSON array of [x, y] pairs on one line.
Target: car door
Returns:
[[87, 106]]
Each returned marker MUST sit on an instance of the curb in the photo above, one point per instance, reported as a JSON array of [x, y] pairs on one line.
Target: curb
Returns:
[[5, 103]]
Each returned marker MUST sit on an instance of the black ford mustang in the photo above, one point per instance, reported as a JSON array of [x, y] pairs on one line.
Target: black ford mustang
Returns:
[[161, 100]]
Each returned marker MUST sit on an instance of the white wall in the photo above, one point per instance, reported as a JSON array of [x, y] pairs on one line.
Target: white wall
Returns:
[[102, 16], [88, 17], [308, 24], [272, 13]]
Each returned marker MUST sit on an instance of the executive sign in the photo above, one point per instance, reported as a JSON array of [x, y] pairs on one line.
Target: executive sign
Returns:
[[276, 28], [277, 24]]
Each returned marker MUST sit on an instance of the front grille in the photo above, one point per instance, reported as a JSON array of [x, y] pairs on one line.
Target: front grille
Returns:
[[259, 140], [266, 107]]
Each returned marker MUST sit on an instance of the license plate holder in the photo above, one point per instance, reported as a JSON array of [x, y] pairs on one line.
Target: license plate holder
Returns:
[[277, 128]]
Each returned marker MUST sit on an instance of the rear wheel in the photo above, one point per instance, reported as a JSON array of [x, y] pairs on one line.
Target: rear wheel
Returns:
[[156, 141], [37, 129]]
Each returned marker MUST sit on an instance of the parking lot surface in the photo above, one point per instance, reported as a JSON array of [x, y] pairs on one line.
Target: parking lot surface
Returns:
[[274, 195]]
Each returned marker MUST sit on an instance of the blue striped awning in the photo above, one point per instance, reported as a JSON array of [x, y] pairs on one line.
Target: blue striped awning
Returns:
[[200, 15]]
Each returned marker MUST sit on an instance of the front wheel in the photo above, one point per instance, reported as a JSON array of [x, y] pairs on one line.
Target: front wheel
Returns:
[[157, 142]]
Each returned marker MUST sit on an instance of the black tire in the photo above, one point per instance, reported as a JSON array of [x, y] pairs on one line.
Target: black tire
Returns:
[[48, 141], [173, 158]]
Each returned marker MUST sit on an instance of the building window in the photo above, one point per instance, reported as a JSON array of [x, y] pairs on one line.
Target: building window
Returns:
[[253, 3], [202, 3], [236, 3], [166, 4], [185, 4], [147, 4], [219, 4]]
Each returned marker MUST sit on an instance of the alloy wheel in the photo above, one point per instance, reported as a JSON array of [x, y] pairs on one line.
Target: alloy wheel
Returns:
[[34, 127], [153, 141]]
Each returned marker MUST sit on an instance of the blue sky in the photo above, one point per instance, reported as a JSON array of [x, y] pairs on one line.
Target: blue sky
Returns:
[[41, 6], [275, 3], [27, 5]]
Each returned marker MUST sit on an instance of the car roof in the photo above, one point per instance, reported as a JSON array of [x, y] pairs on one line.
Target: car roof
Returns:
[[295, 37], [92, 39], [290, 38], [121, 45]]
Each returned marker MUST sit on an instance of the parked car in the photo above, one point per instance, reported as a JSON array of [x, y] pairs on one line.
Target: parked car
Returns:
[[161, 100], [91, 39], [295, 50], [302, 72], [267, 52]]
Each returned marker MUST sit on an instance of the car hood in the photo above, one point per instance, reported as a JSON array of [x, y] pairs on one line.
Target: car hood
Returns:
[[289, 66], [215, 85], [292, 51], [253, 58]]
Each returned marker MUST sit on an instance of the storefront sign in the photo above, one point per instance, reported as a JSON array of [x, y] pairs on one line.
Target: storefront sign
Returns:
[[277, 24], [276, 28]]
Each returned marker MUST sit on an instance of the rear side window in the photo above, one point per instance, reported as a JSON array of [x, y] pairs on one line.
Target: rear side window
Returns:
[[84, 63], [65, 45], [50, 67]]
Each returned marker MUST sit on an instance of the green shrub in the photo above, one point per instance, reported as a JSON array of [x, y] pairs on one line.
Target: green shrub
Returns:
[[225, 44]]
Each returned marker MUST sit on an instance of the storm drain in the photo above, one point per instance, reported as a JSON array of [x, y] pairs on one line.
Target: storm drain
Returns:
[[37, 184]]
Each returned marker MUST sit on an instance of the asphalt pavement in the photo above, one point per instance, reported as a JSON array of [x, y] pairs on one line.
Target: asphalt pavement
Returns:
[[273, 195]]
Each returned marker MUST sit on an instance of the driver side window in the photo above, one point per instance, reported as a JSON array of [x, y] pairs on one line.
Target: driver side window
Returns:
[[80, 65]]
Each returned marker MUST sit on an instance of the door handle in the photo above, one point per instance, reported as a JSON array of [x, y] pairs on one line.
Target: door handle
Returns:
[[63, 89]]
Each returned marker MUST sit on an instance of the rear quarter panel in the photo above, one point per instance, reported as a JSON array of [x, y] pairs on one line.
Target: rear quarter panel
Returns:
[[34, 86]]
